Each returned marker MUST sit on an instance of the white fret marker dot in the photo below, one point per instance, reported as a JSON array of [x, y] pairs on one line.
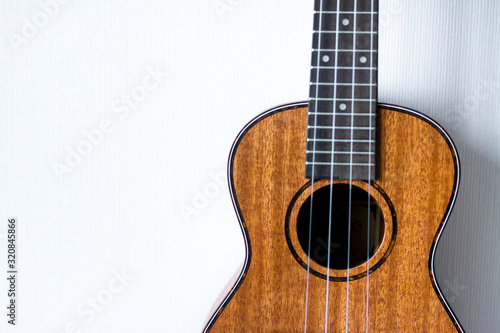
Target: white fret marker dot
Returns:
[[343, 106], [363, 60], [345, 22], [326, 58]]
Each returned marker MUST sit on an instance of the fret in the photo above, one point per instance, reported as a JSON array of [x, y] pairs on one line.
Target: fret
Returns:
[[362, 120], [345, 50], [338, 107], [343, 120], [340, 172], [341, 134], [347, 164], [355, 114], [341, 146], [332, 5], [343, 75], [344, 41], [351, 58], [338, 159], [345, 114], [343, 12], [343, 127], [342, 149], [356, 99], [339, 140], [343, 91], [344, 32], [342, 84], [364, 22], [341, 152], [360, 124], [343, 67], [345, 157], [342, 99], [326, 108]]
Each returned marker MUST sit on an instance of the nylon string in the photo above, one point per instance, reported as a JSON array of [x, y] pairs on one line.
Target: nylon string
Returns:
[[332, 166], [313, 161], [369, 170], [351, 165]]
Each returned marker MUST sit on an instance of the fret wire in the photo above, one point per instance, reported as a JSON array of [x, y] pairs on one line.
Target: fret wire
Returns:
[[342, 67], [341, 152], [343, 12], [344, 32], [342, 99], [340, 140], [342, 127], [341, 114], [345, 50], [341, 164], [342, 84]]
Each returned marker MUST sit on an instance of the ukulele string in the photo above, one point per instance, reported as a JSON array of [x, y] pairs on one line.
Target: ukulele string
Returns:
[[351, 163], [369, 167], [313, 162], [334, 116]]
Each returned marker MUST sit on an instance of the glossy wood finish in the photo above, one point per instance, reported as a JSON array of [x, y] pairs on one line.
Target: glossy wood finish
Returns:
[[418, 171]]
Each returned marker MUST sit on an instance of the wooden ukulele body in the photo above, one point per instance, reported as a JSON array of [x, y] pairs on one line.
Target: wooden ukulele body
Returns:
[[418, 172]]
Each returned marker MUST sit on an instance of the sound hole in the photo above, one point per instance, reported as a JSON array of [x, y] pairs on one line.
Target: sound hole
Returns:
[[364, 212]]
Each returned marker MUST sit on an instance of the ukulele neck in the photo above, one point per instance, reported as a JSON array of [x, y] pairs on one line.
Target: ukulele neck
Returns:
[[343, 91]]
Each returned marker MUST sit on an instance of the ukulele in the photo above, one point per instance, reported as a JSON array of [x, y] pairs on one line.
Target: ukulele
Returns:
[[341, 200]]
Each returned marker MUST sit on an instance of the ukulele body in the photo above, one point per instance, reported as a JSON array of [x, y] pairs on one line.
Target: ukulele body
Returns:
[[416, 185]]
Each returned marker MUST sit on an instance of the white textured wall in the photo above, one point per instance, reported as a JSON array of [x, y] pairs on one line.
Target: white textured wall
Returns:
[[209, 67]]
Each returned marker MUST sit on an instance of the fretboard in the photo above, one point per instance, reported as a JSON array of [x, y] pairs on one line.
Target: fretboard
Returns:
[[343, 91]]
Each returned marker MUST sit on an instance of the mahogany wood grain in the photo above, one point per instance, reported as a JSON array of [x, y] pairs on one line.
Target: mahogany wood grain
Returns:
[[417, 170]]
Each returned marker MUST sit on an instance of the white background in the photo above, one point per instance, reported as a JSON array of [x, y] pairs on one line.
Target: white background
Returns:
[[147, 200]]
